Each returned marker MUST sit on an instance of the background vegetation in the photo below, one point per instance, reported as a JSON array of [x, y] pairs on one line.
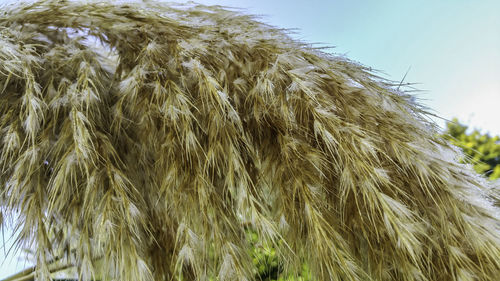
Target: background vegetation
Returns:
[[481, 150]]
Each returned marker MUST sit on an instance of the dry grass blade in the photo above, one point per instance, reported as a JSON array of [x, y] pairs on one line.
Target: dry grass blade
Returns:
[[153, 136]]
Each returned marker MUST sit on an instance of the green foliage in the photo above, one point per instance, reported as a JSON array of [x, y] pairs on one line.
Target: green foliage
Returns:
[[267, 264], [482, 150], [264, 258]]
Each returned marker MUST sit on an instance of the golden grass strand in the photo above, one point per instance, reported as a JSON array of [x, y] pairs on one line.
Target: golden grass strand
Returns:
[[142, 141]]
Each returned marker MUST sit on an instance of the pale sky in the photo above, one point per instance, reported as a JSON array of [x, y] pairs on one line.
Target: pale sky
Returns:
[[452, 48]]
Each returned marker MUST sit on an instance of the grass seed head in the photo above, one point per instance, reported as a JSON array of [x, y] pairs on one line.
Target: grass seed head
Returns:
[[146, 140]]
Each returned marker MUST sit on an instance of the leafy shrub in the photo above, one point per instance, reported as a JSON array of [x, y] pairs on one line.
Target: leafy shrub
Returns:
[[482, 150]]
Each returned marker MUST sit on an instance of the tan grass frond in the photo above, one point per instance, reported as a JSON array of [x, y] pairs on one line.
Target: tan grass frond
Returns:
[[152, 137]]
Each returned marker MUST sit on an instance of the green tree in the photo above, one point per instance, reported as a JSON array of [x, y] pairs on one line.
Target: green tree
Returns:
[[150, 138], [481, 150]]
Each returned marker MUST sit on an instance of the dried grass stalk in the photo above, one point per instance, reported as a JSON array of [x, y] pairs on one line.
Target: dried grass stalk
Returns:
[[155, 135]]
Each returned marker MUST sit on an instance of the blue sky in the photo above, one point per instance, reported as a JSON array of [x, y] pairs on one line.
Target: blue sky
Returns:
[[452, 48]]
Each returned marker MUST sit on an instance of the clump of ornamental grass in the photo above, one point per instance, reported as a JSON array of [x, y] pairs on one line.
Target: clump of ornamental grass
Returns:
[[153, 137]]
